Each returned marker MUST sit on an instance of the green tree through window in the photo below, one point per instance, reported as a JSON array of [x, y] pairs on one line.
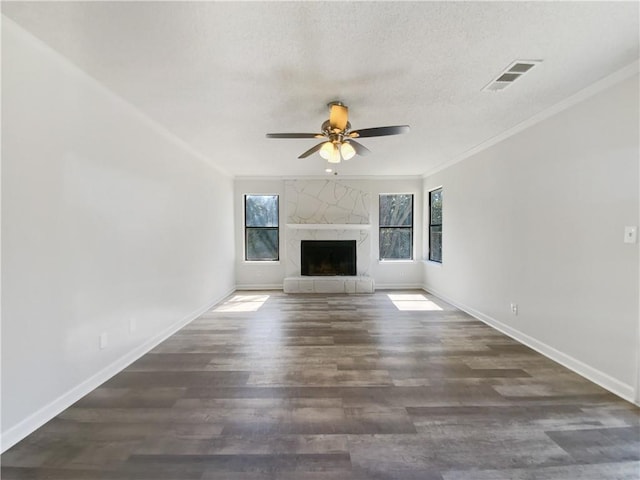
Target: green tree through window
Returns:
[[261, 227], [396, 227], [435, 225]]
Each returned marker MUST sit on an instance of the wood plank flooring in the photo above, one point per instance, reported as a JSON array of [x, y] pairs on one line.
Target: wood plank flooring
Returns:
[[338, 387]]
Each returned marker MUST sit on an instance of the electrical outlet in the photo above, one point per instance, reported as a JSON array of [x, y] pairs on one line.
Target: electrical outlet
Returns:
[[132, 325], [514, 308], [630, 234], [103, 341]]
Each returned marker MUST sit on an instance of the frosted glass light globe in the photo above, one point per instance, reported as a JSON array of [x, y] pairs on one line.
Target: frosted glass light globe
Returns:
[[347, 151]]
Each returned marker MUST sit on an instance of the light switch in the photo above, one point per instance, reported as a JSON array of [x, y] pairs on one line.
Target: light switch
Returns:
[[630, 234]]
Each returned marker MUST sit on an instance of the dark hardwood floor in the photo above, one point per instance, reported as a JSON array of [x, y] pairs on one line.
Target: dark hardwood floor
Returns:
[[336, 387]]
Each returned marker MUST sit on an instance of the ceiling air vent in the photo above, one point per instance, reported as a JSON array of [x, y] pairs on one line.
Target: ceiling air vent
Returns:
[[511, 74]]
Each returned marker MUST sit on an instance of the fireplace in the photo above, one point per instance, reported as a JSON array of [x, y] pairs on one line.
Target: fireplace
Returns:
[[328, 257]]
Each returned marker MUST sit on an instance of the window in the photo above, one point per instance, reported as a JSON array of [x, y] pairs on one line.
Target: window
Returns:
[[261, 230], [435, 225], [396, 227]]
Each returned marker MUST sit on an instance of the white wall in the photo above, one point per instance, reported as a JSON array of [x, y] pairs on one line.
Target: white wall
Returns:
[[105, 218], [538, 220], [386, 274]]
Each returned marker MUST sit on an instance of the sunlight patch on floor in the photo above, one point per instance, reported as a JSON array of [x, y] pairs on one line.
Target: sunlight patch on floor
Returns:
[[243, 303], [413, 302]]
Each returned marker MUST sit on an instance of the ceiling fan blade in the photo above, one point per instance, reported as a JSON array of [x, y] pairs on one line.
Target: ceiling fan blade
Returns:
[[379, 131], [295, 135], [312, 150], [359, 148], [338, 117]]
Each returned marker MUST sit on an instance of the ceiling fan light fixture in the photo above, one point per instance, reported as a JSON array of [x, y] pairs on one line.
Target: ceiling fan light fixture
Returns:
[[339, 143], [347, 151]]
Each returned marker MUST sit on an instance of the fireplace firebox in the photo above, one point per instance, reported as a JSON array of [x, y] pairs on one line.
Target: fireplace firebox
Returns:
[[328, 257]]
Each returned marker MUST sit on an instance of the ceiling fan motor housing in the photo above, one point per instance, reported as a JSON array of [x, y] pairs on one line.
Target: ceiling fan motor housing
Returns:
[[327, 130]]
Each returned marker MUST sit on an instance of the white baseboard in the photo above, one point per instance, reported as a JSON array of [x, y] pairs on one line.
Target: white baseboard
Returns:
[[30, 424], [262, 286], [398, 286], [627, 392]]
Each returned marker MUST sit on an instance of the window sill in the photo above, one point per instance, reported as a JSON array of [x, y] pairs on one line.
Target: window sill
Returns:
[[397, 261], [432, 263], [261, 262]]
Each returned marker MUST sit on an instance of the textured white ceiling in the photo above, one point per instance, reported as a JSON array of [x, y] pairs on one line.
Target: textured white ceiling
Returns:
[[221, 75]]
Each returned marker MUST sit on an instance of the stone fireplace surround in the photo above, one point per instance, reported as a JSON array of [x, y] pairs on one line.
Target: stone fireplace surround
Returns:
[[327, 210]]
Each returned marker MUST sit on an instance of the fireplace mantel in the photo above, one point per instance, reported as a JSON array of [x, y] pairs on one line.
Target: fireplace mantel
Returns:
[[329, 226]]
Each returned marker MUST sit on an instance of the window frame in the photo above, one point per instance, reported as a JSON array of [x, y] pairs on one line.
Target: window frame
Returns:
[[432, 224], [397, 227], [248, 228]]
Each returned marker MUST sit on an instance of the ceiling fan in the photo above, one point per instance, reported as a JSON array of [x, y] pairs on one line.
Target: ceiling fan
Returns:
[[339, 143]]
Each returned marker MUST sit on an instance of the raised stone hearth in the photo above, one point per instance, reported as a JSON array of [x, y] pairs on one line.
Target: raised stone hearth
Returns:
[[325, 284]]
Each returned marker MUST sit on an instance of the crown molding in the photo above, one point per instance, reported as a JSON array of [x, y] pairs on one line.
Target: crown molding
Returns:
[[587, 92], [101, 89]]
